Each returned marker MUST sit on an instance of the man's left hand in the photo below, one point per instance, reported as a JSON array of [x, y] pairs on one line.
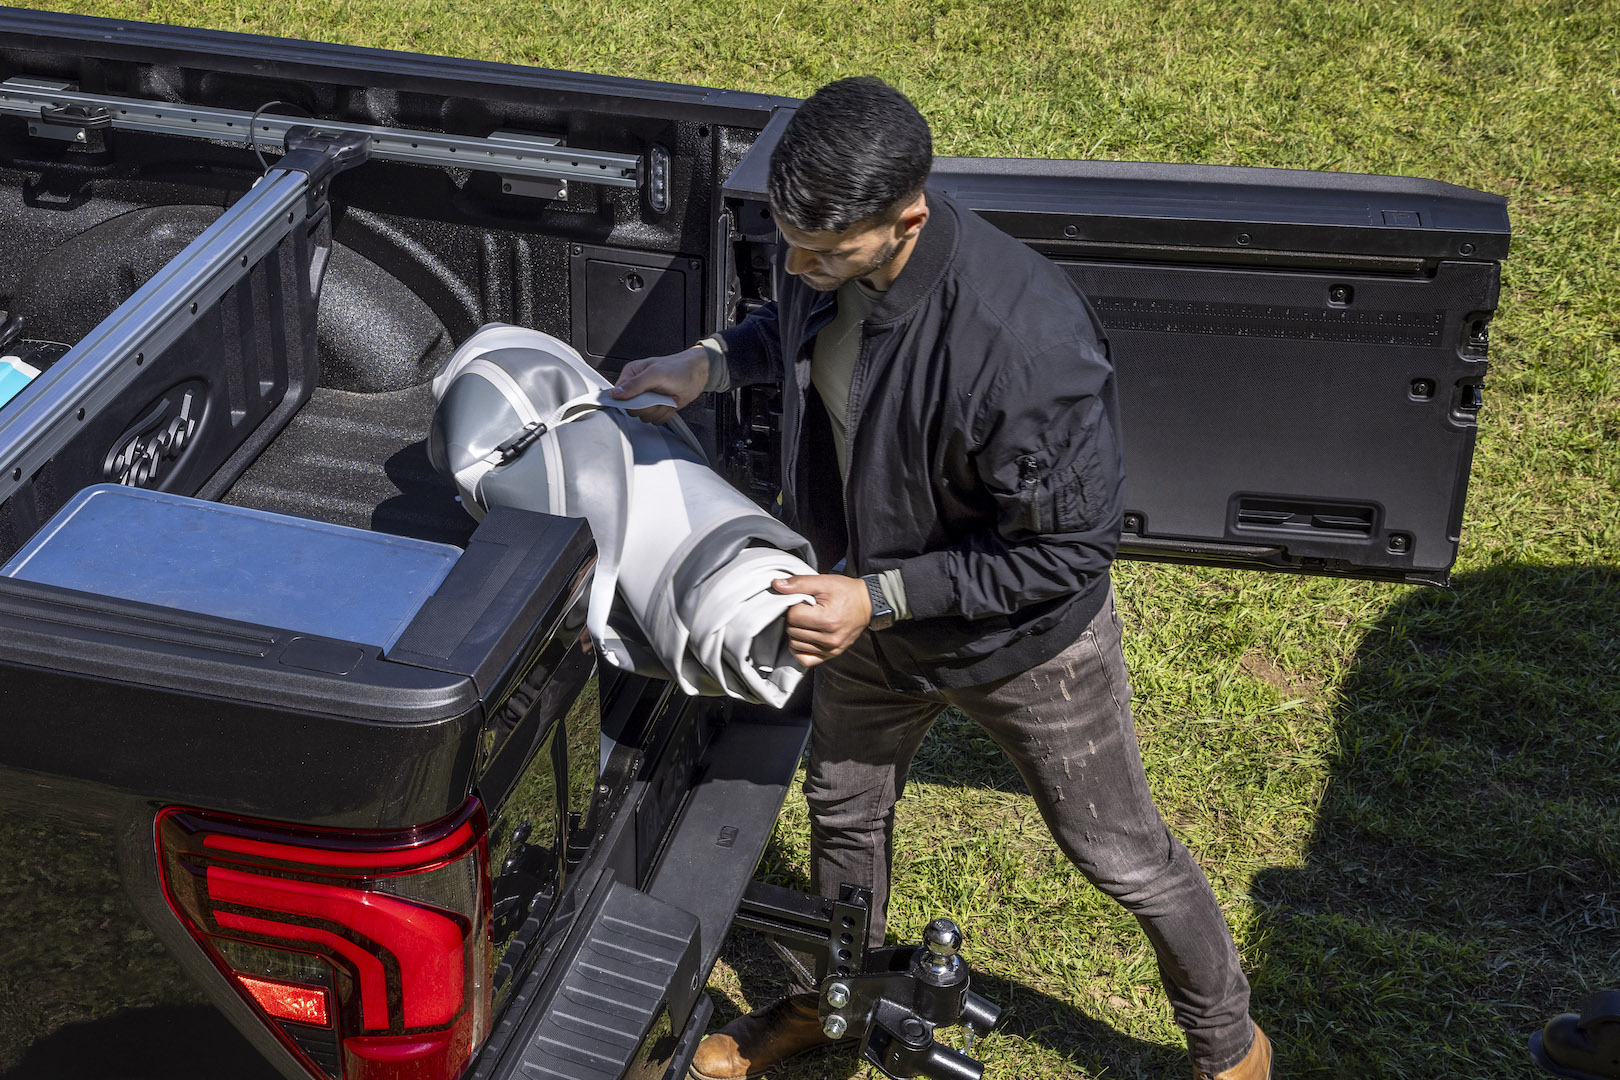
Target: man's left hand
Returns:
[[820, 631]]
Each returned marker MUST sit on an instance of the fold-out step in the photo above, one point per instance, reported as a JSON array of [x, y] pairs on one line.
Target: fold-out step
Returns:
[[638, 952], [710, 859]]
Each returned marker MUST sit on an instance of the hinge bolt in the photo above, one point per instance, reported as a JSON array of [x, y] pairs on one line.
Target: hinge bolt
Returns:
[[835, 1026], [837, 995]]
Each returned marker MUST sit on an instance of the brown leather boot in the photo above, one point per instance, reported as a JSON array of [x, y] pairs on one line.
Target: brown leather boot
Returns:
[[1256, 1064], [762, 1040]]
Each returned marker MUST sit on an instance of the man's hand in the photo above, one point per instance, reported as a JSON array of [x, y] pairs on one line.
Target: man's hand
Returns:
[[681, 376], [820, 631]]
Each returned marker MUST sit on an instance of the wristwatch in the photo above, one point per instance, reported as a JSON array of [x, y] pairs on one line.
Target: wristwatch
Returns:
[[882, 614]]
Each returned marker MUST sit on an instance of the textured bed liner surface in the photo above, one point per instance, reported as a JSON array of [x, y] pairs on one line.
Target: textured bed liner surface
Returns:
[[360, 460]]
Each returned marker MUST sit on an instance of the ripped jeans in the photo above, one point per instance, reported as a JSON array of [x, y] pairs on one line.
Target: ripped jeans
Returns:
[[1067, 726]]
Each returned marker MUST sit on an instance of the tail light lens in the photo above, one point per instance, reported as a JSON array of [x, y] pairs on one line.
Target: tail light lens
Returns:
[[367, 952]]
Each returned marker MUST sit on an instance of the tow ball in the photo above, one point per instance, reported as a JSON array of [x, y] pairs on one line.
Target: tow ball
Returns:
[[893, 999]]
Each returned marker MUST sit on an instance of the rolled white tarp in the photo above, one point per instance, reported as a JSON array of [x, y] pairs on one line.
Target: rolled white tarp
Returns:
[[685, 561]]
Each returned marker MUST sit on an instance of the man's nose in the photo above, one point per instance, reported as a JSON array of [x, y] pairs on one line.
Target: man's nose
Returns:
[[799, 261]]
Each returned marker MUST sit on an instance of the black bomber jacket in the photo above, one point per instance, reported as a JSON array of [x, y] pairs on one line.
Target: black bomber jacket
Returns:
[[984, 449]]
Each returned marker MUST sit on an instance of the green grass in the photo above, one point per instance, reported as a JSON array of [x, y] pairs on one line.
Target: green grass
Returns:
[[1407, 800]]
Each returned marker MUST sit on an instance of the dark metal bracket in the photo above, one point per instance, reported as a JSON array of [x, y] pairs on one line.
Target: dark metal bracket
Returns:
[[892, 999]]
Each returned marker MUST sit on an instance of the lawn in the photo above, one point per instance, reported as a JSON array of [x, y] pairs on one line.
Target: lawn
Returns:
[[1408, 800]]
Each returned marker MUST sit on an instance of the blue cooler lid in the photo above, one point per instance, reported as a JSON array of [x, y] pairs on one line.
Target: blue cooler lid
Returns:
[[234, 562]]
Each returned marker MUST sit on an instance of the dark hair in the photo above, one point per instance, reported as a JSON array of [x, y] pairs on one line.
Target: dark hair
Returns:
[[851, 152]]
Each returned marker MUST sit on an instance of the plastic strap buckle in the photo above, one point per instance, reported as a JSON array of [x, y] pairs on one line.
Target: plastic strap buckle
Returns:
[[520, 442]]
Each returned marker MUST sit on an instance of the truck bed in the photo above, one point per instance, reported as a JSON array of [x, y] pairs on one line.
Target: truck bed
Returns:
[[360, 460]]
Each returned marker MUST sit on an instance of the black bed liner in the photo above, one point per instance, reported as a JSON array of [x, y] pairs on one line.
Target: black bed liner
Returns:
[[359, 460]]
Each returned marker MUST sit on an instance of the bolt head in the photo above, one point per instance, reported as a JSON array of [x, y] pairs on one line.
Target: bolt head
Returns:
[[837, 995], [1243, 238], [835, 1026]]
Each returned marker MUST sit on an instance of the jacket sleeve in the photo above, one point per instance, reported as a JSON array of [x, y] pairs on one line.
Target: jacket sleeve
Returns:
[[1047, 452], [754, 348]]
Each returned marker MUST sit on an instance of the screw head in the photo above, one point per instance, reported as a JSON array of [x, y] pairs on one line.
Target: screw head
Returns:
[[1071, 230], [1397, 543], [835, 1026], [837, 995], [1243, 238], [1466, 249]]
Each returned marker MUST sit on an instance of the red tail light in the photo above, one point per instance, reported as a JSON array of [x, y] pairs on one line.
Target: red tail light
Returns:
[[367, 953]]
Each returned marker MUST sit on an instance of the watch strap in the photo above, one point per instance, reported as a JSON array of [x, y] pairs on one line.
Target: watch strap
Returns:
[[882, 610]]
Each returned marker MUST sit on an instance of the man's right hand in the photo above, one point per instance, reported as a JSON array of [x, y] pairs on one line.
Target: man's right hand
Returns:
[[681, 376]]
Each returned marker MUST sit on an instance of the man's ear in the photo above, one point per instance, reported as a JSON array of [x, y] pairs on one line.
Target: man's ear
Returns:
[[910, 221]]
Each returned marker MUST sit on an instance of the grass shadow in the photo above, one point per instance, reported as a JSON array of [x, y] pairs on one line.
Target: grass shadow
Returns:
[[1461, 878], [145, 1044]]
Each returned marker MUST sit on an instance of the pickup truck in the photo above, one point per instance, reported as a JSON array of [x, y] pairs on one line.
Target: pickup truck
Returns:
[[447, 841]]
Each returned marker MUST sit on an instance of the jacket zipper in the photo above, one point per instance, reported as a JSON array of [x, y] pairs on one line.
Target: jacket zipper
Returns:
[[790, 376], [851, 421]]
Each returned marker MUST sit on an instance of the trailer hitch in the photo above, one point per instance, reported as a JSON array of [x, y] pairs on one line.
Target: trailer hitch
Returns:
[[894, 998]]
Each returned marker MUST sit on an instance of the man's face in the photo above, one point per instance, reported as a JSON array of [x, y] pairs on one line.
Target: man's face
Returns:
[[825, 260]]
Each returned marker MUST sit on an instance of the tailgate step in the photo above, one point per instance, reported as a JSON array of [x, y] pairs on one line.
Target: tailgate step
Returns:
[[637, 952], [728, 818]]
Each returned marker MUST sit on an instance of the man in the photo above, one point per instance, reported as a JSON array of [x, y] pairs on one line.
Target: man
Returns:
[[950, 432]]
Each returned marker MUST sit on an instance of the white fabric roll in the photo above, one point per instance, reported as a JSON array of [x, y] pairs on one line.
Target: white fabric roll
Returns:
[[685, 561]]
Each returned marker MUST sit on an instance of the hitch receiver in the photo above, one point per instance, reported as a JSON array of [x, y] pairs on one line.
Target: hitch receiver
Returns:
[[893, 998]]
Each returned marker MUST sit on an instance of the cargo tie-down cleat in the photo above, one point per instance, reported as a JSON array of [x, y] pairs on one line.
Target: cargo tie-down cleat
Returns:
[[1583, 1045]]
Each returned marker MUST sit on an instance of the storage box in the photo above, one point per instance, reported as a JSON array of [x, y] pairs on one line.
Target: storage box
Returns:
[[236, 563]]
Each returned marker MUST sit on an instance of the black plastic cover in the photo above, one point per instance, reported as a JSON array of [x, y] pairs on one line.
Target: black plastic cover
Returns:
[[516, 572]]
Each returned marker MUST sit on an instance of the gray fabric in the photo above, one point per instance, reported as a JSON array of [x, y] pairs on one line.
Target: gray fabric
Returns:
[[832, 365], [894, 591], [684, 561], [1067, 726], [719, 377]]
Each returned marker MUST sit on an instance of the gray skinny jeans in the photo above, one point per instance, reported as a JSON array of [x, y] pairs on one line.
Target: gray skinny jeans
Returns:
[[1067, 726]]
